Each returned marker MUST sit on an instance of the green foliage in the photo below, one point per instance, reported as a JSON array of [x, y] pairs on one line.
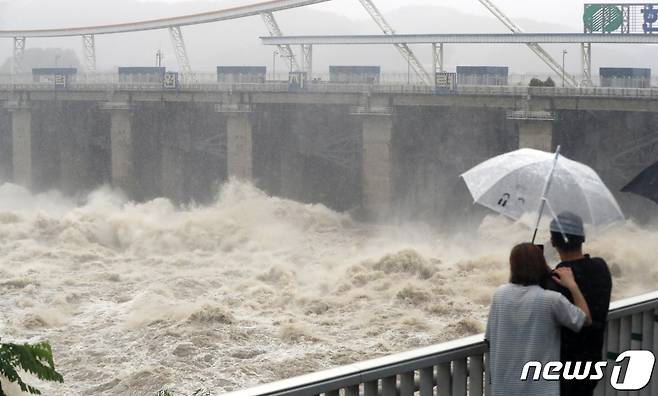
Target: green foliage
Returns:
[[36, 359], [535, 82]]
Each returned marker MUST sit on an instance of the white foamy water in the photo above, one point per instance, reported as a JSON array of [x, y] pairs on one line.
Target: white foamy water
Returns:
[[139, 297]]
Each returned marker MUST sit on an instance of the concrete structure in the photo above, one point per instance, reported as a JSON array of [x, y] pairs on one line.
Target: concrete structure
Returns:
[[625, 77], [21, 132], [377, 164], [355, 74], [386, 150], [122, 146], [241, 74], [239, 145], [75, 147], [176, 141], [482, 75], [536, 134]]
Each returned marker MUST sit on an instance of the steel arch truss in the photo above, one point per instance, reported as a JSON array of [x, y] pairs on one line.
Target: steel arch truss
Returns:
[[275, 31], [180, 50], [89, 52], [403, 48], [536, 48], [586, 49], [18, 55]]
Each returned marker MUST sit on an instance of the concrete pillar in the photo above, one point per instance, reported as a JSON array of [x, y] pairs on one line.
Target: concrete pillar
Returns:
[[74, 148], [21, 130], [239, 146], [536, 134], [292, 161], [122, 147], [173, 171], [176, 144], [377, 164]]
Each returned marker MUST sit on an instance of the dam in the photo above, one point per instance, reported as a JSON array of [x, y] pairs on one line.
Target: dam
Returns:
[[377, 150]]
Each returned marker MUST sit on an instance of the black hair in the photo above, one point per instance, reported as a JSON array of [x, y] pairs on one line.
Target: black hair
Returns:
[[572, 244]]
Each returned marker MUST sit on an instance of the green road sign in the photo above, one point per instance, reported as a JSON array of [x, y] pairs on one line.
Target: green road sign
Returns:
[[602, 18]]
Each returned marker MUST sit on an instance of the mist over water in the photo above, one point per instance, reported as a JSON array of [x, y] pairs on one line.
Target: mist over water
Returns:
[[139, 297]]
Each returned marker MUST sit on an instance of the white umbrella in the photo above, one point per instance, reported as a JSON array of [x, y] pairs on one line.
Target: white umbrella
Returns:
[[526, 182]]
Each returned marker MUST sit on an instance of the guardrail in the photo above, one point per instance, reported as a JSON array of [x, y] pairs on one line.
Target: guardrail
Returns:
[[457, 368], [341, 88]]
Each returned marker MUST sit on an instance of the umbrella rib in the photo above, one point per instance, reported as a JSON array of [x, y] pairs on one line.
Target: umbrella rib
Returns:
[[582, 192]]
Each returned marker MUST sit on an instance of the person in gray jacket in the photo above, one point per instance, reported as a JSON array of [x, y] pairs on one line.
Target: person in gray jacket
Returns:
[[525, 320]]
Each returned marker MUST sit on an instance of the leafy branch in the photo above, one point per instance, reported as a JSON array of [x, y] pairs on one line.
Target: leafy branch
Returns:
[[36, 359]]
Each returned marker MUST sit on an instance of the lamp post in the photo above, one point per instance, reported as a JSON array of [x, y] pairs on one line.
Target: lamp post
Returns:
[[408, 72], [564, 54], [274, 55]]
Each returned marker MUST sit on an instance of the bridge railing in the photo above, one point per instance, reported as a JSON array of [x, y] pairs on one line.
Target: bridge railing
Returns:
[[459, 367], [207, 82]]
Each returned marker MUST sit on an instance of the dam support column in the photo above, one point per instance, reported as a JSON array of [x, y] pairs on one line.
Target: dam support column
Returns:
[[239, 146], [239, 140], [292, 161], [22, 145], [536, 134], [122, 146], [535, 129], [175, 145], [74, 148], [377, 163]]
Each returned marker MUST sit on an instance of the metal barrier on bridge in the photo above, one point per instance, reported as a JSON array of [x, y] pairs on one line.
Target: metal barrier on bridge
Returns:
[[459, 367]]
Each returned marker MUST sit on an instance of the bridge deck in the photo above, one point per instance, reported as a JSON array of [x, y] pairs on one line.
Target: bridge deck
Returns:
[[163, 23], [469, 38]]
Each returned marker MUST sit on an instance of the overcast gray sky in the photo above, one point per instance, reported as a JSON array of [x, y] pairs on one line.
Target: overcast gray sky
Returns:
[[566, 12], [216, 44]]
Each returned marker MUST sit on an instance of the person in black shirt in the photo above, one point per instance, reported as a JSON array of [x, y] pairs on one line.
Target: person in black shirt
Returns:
[[593, 277]]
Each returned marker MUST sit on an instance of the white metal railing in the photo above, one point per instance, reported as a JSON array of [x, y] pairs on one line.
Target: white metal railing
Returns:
[[458, 367], [395, 78], [208, 83]]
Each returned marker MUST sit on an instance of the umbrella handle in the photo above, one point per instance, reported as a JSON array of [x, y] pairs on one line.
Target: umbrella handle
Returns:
[[550, 208], [547, 187]]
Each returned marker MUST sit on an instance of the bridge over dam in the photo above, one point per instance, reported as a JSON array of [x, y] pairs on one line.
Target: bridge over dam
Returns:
[[375, 149]]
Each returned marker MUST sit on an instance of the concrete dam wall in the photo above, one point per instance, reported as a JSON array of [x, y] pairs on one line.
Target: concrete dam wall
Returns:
[[403, 163]]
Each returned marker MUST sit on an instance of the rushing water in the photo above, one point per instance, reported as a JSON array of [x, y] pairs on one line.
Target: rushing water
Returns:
[[139, 297]]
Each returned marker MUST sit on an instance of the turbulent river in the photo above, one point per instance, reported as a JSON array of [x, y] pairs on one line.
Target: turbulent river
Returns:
[[136, 298]]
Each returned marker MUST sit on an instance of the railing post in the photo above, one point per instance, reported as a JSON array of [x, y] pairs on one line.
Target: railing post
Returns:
[[352, 390], [636, 331], [389, 386], [427, 381], [371, 388], [647, 341], [444, 379], [475, 375], [624, 339], [407, 384], [612, 352], [654, 381], [459, 377]]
